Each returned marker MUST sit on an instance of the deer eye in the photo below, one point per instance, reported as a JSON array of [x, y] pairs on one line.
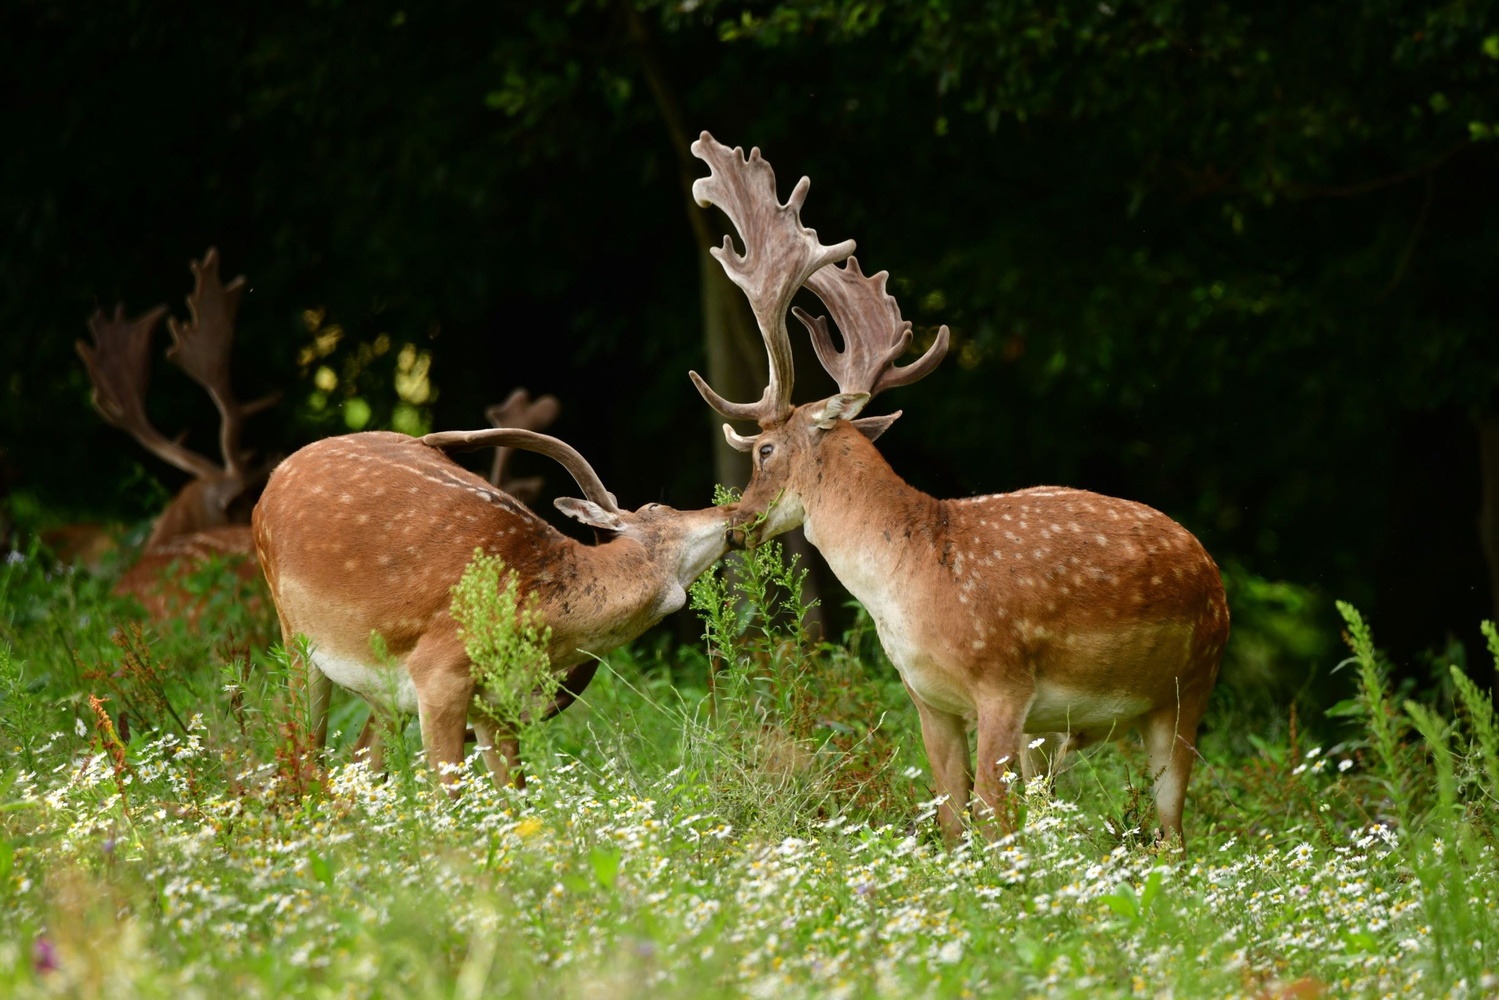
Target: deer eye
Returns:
[[765, 450]]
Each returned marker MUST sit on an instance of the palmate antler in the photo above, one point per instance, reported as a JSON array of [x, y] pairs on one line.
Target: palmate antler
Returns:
[[202, 348], [780, 254], [119, 368], [874, 335]]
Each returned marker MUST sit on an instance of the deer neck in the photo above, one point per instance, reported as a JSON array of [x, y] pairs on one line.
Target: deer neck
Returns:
[[598, 597], [874, 529]]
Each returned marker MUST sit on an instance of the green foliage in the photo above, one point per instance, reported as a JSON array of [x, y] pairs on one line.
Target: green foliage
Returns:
[[506, 641]]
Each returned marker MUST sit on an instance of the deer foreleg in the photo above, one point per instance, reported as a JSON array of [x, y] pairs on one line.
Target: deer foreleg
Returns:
[[1000, 742], [442, 675], [946, 739]]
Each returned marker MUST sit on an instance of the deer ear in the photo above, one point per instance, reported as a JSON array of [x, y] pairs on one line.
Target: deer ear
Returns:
[[589, 513], [873, 427], [844, 406]]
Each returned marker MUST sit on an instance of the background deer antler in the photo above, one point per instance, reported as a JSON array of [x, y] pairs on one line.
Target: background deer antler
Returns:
[[202, 348], [780, 254], [519, 410], [119, 368]]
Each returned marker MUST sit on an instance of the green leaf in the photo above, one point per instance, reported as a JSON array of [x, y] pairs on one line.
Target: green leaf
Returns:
[[7, 860], [320, 868], [605, 862]]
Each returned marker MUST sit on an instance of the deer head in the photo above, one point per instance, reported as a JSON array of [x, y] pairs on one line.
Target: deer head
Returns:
[[780, 256]]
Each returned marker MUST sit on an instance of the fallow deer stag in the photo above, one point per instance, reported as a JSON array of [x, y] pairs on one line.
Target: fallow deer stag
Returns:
[[367, 533], [196, 524], [1048, 610]]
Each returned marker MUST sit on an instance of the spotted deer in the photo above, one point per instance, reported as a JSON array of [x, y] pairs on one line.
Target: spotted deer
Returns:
[[199, 522], [365, 535], [1043, 611]]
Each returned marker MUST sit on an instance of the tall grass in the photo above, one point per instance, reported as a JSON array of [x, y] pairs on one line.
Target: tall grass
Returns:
[[752, 815]]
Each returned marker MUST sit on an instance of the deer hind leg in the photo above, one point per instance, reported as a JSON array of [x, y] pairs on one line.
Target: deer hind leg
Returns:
[[442, 675], [1171, 746], [946, 738], [501, 748]]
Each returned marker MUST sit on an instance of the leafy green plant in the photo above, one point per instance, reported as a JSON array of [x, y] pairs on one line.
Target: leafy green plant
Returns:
[[506, 641]]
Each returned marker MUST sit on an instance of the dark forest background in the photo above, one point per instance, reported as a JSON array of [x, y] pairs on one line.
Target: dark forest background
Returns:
[[1234, 260]]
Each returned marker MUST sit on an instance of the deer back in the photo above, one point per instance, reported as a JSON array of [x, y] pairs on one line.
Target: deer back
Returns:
[[367, 533]]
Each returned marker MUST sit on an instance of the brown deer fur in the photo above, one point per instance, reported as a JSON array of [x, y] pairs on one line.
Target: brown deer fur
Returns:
[[366, 534], [1048, 610]]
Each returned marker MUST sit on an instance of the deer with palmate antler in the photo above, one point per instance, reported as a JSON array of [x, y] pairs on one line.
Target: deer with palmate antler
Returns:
[[1044, 611], [197, 523], [366, 534]]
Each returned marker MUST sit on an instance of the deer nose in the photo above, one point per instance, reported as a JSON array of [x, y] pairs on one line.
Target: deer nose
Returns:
[[739, 532]]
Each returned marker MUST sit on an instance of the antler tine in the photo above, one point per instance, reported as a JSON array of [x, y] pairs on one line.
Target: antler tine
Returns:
[[874, 335], [119, 368], [780, 254], [202, 348], [514, 437], [518, 410]]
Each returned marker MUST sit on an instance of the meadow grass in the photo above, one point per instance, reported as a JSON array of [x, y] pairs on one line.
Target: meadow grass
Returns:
[[751, 816]]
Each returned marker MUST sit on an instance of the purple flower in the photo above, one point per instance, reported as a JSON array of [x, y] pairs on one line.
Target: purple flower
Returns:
[[43, 956]]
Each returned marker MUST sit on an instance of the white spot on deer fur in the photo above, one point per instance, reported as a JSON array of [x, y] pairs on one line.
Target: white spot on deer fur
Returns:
[[962, 598], [1026, 581], [1038, 553], [998, 554], [1057, 528], [1101, 539], [978, 644], [1155, 581], [1007, 517], [1074, 527], [350, 565], [1022, 525]]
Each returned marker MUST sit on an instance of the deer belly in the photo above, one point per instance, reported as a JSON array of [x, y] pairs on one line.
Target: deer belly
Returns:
[[1059, 709], [386, 685]]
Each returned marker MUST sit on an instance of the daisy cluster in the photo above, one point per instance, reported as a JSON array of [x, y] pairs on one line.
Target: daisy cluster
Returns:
[[164, 874]]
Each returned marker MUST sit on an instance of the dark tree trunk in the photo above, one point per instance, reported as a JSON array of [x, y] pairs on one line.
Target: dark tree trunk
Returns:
[[737, 364]]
